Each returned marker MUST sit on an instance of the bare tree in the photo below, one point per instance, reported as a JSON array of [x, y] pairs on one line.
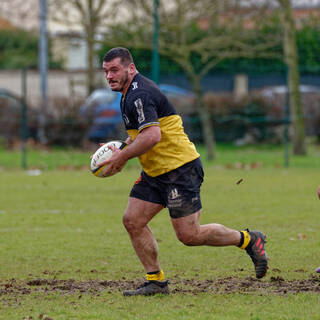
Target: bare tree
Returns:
[[91, 16], [293, 77], [209, 30]]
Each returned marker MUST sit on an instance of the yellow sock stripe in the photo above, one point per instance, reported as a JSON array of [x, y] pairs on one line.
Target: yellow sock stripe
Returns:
[[155, 277], [246, 240]]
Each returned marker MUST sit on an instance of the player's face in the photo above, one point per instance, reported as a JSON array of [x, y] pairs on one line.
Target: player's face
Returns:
[[117, 74]]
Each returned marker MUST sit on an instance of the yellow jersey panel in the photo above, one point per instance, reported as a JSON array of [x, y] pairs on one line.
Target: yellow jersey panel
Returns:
[[172, 151]]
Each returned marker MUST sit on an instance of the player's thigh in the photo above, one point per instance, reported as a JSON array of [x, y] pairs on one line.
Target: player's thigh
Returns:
[[186, 227], [139, 212]]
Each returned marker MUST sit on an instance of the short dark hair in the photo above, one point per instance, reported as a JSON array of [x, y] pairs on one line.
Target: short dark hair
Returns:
[[119, 52]]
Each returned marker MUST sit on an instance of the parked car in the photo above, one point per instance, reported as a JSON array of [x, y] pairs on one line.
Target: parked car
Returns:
[[102, 110], [310, 98]]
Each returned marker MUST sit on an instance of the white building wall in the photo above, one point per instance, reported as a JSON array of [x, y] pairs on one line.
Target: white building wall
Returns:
[[66, 84]]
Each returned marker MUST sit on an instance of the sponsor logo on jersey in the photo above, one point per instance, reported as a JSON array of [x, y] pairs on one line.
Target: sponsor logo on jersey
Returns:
[[139, 106]]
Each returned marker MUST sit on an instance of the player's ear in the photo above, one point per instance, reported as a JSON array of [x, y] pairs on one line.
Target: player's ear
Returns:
[[132, 68]]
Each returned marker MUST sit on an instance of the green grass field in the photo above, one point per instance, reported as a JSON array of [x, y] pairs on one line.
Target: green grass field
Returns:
[[64, 253]]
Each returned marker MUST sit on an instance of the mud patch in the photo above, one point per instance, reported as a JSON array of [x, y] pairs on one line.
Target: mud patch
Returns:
[[273, 285]]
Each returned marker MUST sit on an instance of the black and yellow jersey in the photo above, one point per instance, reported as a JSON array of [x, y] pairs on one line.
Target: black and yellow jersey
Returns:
[[145, 105]]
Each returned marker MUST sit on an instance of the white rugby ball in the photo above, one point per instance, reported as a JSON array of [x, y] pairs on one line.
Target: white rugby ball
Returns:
[[103, 154]]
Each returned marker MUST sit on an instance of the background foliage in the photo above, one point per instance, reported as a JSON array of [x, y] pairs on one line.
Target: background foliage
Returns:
[[308, 41], [19, 49]]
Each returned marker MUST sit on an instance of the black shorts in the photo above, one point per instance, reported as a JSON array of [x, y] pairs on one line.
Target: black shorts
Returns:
[[179, 189]]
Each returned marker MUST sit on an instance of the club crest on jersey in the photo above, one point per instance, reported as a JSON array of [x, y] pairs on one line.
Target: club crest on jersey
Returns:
[[134, 85], [139, 106]]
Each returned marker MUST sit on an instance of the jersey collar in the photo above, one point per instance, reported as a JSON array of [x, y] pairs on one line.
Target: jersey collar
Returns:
[[134, 84]]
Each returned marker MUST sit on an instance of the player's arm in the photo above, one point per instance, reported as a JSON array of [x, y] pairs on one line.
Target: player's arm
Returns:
[[142, 110], [145, 141]]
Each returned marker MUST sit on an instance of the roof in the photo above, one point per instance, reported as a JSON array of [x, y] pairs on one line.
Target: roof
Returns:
[[5, 25]]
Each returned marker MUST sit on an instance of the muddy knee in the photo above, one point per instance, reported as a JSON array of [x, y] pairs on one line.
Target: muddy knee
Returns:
[[187, 238], [128, 223], [132, 226]]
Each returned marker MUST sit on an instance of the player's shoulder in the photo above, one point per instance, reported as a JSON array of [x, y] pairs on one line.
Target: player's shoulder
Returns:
[[141, 85]]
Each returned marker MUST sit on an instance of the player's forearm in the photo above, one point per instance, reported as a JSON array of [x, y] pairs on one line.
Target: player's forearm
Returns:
[[145, 141]]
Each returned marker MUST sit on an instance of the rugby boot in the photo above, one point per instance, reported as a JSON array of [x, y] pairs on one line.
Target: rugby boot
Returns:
[[149, 288], [257, 252]]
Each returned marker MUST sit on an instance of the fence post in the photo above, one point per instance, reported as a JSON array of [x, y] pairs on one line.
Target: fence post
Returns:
[[155, 50], [24, 119], [286, 120], [43, 68]]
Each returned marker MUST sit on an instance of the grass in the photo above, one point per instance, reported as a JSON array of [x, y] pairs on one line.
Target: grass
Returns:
[[66, 224], [226, 155]]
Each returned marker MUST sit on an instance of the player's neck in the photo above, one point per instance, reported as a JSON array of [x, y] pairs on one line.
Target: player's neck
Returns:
[[125, 89]]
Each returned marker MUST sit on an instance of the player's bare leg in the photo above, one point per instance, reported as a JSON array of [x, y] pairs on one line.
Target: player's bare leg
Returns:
[[191, 233], [135, 219]]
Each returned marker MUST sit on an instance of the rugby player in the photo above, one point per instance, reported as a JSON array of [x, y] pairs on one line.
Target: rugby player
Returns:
[[171, 175]]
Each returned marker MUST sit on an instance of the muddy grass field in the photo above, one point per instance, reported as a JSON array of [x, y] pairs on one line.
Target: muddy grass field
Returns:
[[65, 255], [276, 285]]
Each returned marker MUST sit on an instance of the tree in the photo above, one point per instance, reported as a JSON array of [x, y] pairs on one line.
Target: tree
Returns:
[[293, 78], [23, 14], [308, 42], [91, 16], [18, 49], [197, 35]]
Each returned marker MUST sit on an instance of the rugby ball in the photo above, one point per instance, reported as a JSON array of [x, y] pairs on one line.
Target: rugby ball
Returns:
[[103, 154]]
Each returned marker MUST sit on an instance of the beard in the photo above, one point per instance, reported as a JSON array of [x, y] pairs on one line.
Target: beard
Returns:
[[122, 82]]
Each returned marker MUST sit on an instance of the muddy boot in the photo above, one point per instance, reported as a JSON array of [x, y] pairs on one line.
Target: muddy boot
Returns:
[[257, 253], [149, 289]]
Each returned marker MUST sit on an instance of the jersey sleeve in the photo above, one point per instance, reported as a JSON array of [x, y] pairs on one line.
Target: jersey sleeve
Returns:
[[144, 111]]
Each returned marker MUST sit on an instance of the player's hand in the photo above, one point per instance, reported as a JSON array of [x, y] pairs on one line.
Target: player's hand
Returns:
[[115, 163], [100, 144]]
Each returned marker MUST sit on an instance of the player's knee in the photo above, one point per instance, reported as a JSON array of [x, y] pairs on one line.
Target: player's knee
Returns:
[[187, 239], [128, 223], [131, 224]]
